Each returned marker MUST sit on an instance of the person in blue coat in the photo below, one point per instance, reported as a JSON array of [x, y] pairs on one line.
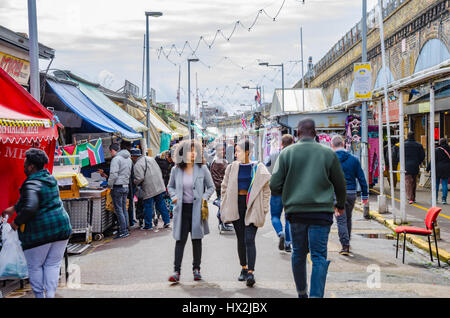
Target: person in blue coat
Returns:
[[353, 172]]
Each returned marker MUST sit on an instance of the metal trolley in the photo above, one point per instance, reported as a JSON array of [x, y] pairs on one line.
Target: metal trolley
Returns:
[[80, 213]]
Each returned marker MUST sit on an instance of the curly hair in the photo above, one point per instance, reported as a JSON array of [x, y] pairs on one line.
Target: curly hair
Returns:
[[36, 157]]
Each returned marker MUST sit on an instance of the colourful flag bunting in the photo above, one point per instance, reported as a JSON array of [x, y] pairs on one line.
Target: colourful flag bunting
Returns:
[[83, 153], [69, 151], [96, 153]]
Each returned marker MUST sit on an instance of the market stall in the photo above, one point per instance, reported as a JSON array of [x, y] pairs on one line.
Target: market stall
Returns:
[[24, 124]]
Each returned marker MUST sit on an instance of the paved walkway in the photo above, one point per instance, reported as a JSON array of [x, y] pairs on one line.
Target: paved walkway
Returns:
[[415, 213], [138, 266]]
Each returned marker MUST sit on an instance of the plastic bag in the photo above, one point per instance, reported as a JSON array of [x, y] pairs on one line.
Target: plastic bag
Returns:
[[13, 264]]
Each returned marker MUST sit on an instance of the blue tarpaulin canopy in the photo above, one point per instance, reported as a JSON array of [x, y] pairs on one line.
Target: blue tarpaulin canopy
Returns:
[[73, 98]]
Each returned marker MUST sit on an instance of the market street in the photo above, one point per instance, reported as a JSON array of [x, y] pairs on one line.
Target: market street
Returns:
[[139, 266]]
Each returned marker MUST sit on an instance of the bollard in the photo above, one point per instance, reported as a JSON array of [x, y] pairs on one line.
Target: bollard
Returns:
[[382, 206]]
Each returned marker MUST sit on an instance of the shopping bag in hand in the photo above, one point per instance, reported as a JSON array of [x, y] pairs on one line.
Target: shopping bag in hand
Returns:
[[13, 264], [205, 210]]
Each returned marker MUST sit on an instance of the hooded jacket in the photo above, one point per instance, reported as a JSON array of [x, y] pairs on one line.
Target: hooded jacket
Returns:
[[120, 170], [148, 174], [41, 210], [353, 171]]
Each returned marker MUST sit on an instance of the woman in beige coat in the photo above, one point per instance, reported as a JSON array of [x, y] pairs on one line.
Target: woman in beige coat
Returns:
[[245, 196]]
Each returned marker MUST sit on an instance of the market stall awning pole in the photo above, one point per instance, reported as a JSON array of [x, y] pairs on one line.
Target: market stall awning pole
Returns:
[[432, 154], [401, 137], [364, 113], [381, 197], [386, 105], [34, 51]]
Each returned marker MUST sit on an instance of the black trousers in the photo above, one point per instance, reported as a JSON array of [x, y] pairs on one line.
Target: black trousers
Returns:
[[186, 227], [245, 236]]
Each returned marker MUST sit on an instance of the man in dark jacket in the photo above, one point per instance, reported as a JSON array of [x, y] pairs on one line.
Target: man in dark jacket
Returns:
[[442, 157], [352, 171], [309, 175], [414, 156]]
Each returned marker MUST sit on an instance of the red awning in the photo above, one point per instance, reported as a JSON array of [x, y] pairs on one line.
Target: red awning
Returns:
[[22, 118]]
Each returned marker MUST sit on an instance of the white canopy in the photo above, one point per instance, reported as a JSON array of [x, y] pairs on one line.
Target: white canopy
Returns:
[[293, 101]]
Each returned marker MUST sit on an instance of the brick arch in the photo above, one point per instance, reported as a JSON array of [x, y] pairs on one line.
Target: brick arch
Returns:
[[432, 52]]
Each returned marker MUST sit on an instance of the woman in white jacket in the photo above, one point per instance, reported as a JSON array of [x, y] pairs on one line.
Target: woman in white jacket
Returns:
[[245, 202], [189, 185]]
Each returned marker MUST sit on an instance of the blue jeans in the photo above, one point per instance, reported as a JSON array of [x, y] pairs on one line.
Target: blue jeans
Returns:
[[119, 197], [276, 207], [314, 239], [444, 187], [160, 205]]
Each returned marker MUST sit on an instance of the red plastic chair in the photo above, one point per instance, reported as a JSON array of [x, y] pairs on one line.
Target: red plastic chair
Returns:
[[430, 220]]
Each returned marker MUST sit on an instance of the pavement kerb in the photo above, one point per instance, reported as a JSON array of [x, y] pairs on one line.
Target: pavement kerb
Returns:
[[417, 241]]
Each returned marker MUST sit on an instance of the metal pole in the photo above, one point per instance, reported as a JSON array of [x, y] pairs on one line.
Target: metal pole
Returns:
[[380, 146], [364, 123], [189, 99], [401, 137], [148, 101], [143, 69], [34, 50], [432, 154], [386, 102], [282, 82], [303, 77]]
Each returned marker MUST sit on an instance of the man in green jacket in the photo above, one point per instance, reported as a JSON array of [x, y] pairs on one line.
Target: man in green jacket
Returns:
[[309, 177]]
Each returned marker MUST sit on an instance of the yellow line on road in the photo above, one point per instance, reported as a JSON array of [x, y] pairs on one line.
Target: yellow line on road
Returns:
[[417, 206]]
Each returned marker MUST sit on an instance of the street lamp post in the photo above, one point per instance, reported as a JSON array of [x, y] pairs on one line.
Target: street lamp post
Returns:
[[189, 95], [148, 101], [34, 51], [282, 79]]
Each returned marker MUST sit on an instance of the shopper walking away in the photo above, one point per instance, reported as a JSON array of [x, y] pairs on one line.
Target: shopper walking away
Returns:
[[308, 175], [190, 187], [442, 158], [124, 144], [276, 206], [352, 171], [414, 156], [245, 197], [395, 160], [217, 169], [166, 164], [148, 176], [118, 182], [44, 224]]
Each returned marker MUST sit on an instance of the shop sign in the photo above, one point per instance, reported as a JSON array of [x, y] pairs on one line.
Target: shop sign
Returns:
[[363, 81], [424, 107], [16, 68]]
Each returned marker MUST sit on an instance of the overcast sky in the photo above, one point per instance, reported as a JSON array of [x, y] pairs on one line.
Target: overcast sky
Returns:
[[102, 40]]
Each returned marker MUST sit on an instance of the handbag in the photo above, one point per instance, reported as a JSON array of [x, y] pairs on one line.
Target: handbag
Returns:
[[205, 210]]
